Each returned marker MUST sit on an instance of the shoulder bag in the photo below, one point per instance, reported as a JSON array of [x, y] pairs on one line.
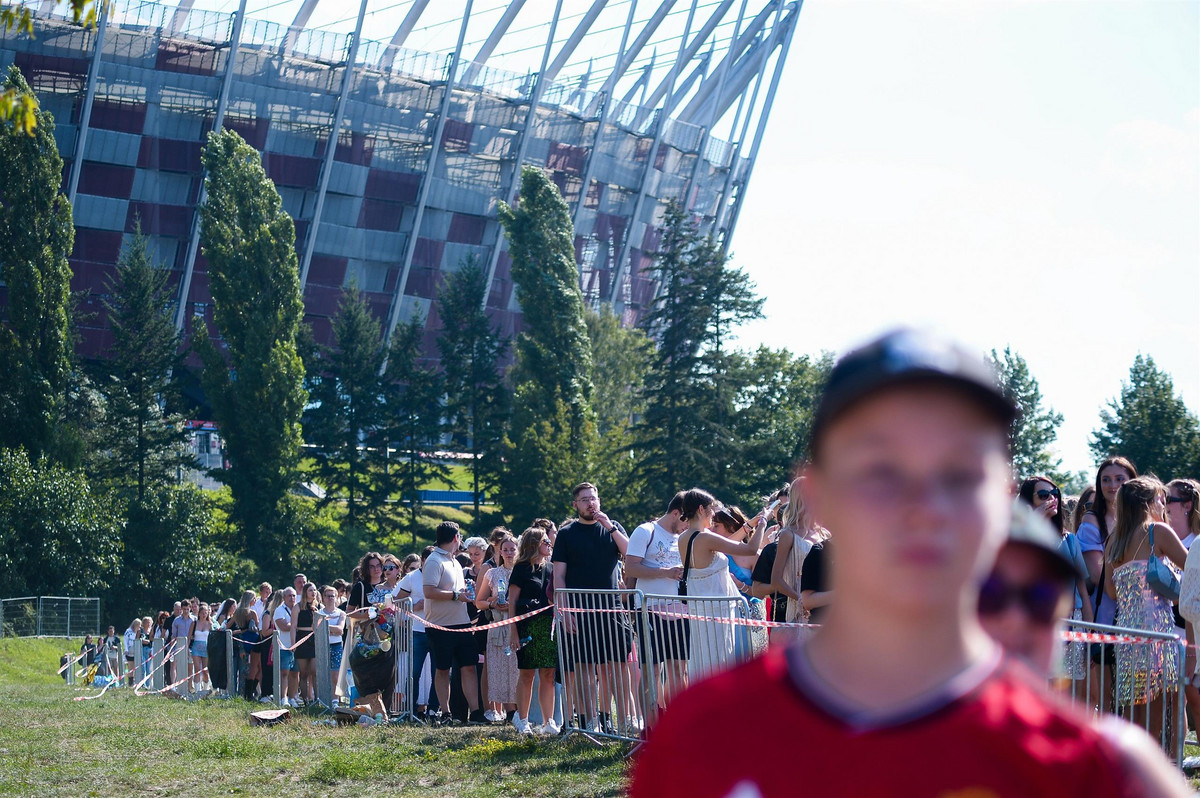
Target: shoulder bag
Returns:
[[1159, 576], [687, 564]]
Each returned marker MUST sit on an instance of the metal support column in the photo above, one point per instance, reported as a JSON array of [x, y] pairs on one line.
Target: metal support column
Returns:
[[89, 96], [762, 120], [689, 192], [623, 63], [605, 109], [568, 48], [435, 149], [514, 182], [189, 261], [493, 39], [331, 145], [406, 26], [659, 128], [739, 138]]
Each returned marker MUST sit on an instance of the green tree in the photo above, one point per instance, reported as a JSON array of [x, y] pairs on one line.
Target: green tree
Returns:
[[58, 537], [1150, 424], [145, 444], [686, 431], [477, 401], [255, 383], [552, 376], [347, 407], [173, 547], [36, 236], [777, 397], [621, 361], [1033, 432], [412, 419]]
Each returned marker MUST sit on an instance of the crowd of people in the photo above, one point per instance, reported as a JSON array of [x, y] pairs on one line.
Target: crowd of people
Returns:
[[706, 572]]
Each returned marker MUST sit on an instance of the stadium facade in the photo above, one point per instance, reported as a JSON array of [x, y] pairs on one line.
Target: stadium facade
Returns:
[[403, 154]]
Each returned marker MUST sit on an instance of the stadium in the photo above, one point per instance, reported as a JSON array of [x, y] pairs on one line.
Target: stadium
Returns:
[[400, 127]]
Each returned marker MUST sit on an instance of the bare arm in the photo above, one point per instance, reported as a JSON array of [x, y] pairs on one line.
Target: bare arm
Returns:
[[514, 593], [813, 599], [619, 538], [1110, 587], [1086, 610], [1167, 544], [635, 567], [1095, 562]]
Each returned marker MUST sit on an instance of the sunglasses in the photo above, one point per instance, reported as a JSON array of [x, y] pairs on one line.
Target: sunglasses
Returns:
[[1039, 601], [1046, 494], [390, 568]]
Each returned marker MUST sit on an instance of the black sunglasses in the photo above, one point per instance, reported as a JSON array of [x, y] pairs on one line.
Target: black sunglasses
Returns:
[[1039, 601], [389, 568], [1046, 494]]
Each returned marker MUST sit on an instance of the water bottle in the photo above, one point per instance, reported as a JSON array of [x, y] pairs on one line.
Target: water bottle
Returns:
[[471, 589], [502, 591], [508, 649]]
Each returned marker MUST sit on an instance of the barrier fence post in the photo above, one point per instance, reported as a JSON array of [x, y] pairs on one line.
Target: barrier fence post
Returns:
[[157, 664], [39, 616], [276, 651], [322, 689]]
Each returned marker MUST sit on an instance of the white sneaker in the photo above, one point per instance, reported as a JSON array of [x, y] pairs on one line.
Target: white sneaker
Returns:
[[267, 699], [491, 716], [551, 729], [522, 725]]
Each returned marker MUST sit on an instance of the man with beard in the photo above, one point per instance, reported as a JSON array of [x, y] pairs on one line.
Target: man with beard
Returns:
[[587, 552]]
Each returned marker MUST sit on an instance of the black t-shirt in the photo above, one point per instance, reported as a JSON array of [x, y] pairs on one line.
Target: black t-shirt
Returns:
[[532, 582], [359, 592], [590, 554], [815, 575], [762, 574], [90, 650]]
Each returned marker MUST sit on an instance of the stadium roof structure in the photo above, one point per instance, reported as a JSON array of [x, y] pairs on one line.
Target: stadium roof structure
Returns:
[[432, 108]]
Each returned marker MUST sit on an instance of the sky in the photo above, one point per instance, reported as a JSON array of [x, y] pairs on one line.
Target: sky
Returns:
[[1015, 174]]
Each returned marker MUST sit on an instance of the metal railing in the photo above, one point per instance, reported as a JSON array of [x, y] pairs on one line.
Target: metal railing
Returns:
[[1135, 674], [49, 616]]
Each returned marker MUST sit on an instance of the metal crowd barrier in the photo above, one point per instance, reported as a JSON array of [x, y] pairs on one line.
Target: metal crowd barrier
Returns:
[[403, 701], [1134, 674], [625, 654]]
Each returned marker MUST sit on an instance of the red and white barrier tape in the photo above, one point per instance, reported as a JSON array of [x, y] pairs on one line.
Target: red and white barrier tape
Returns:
[[484, 627], [71, 662]]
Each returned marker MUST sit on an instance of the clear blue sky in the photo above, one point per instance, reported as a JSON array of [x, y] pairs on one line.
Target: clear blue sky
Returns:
[[1021, 174]]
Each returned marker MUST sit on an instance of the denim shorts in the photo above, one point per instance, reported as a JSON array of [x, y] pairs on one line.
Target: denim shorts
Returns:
[[199, 649], [287, 660], [335, 656]]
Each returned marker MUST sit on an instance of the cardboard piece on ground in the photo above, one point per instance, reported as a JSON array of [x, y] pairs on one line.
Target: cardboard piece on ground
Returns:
[[269, 717], [345, 715], [371, 705]]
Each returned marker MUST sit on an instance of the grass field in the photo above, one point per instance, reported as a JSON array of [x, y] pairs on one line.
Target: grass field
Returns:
[[121, 744]]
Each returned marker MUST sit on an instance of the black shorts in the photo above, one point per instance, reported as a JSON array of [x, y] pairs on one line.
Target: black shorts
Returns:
[[599, 638], [448, 649], [663, 639]]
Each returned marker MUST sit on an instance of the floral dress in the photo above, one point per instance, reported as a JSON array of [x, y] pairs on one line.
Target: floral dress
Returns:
[[502, 668], [1143, 669]]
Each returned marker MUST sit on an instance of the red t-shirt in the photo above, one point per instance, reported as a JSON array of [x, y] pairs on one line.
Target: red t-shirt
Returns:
[[755, 732]]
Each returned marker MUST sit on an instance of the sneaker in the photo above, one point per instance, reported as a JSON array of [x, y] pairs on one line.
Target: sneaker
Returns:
[[267, 699], [551, 729], [522, 725], [592, 725], [476, 718], [492, 716]]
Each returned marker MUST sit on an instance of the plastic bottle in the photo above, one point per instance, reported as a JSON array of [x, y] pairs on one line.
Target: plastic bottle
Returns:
[[470, 590]]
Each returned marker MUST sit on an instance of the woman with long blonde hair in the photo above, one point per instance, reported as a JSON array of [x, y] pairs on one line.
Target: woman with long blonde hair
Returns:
[[799, 537], [1143, 672]]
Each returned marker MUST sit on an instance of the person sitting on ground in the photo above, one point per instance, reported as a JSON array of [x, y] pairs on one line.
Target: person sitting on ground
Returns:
[[910, 469]]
